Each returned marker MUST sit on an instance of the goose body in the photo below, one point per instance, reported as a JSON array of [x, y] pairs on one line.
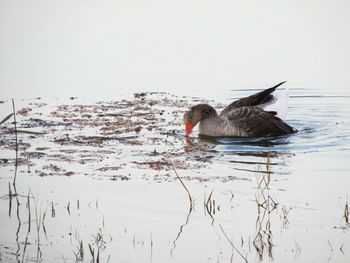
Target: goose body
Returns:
[[253, 116]]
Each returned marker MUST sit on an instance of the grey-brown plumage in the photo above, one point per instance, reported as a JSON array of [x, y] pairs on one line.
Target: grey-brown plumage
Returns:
[[259, 98], [243, 118]]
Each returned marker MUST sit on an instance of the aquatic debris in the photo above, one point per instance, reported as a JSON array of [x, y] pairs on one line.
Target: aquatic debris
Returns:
[[123, 133], [24, 111], [156, 165], [166, 165], [109, 168], [119, 177], [36, 122], [50, 170]]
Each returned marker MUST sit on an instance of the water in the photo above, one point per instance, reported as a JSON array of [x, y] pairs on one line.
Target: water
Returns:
[[100, 181], [102, 177]]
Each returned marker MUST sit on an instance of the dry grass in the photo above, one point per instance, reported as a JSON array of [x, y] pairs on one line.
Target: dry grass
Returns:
[[346, 212], [265, 205], [233, 246], [15, 124], [210, 206], [285, 213], [183, 184], [6, 118]]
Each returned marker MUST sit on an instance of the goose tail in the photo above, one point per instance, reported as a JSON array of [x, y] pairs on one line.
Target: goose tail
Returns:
[[279, 103]]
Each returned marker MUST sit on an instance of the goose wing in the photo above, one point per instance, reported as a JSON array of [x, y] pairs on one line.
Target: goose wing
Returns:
[[254, 121], [253, 100]]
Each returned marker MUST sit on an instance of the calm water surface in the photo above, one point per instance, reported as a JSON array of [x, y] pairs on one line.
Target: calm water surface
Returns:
[[99, 185], [265, 199]]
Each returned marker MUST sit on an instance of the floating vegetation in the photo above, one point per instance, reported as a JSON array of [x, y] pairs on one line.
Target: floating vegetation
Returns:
[[99, 134], [100, 182]]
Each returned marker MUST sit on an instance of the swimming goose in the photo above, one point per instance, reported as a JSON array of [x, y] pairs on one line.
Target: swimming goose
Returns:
[[252, 116]]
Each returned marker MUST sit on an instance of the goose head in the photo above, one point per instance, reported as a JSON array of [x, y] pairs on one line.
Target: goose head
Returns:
[[196, 114]]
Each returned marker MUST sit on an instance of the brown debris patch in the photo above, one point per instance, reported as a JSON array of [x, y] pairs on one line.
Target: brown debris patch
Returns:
[[133, 142], [155, 165], [167, 165], [147, 125], [53, 170], [24, 111], [52, 167], [119, 177], [109, 168]]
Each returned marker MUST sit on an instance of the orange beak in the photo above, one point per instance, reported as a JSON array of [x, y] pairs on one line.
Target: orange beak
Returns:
[[188, 127]]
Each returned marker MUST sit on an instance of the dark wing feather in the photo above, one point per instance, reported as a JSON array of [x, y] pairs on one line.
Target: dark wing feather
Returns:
[[242, 113], [254, 121], [253, 100]]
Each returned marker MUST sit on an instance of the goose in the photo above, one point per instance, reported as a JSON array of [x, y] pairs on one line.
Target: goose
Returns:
[[258, 115]]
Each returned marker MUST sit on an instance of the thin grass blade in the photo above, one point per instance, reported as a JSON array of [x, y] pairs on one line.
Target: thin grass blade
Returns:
[[31, 132], [6, 118]]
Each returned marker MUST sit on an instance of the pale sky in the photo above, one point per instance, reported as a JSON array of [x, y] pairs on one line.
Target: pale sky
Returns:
[[104, 48]]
